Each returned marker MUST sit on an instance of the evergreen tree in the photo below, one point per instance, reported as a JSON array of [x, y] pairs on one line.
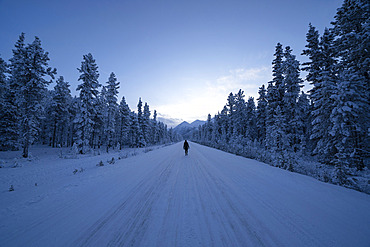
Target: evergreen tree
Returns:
[[230, 114], [240, 117], [347, 129], [313, 53], [146, 123], [155, 130], [275, 88], [124, 122], [278, 139], [251, 124], [140, 135], [278, 77], [112, 107], [73, 112], [135, 133], [304, 122], [350, 115], [59, 111], [208, 129], [29, 67], [88, 96], [261, 114], [322, 100], [8, 120], [271, 104], [99, 126], [323, 77], [292, 83]]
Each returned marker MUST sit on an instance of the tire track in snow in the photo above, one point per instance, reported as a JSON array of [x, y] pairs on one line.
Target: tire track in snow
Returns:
[[208, 198], [236, 230], [132, 219]]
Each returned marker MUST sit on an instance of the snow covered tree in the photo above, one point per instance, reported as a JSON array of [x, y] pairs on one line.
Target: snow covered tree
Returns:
[[314, 55], [124, 122], [350, 115], [278, 139], [59, 111], [323, 77], [88, 96], [112, 107], [29, 66], [140, 135], [8, 120], [73, 110], [146, 124], [347, 132], [135, 135], [276, 87], [239, 119], [155, 129], [230, 114], [271, 104], [303, 122], [99, 125], [278, 77], [251, 123], [208, 129], [292, 83], [261, 114]]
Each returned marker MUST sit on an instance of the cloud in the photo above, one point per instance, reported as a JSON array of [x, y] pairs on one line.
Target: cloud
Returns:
[[242, 79], [210, 96]]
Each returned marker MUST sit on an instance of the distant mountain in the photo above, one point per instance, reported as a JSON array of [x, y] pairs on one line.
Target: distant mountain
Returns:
[[196, 123], [186, 130], [183, 125]]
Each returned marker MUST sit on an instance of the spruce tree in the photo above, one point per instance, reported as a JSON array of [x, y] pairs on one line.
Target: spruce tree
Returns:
[[261, 114], [124, 122], [140, 119], [230, 114], [135, 135], [322, 74], [240, 115], [278, 77], [8, 120], [29, 67], [313, 53], [350, 115], [278, 139], [251, 123], [112, 108], [146, 124], [323, 102], [304, 122], [155, 129], [292, 83], [89, 97], [59, 115]]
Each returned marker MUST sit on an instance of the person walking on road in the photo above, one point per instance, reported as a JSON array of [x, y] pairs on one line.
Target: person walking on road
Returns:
[[186, 147]]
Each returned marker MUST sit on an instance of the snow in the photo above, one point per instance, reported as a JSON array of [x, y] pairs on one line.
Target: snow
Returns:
[[163, 198]]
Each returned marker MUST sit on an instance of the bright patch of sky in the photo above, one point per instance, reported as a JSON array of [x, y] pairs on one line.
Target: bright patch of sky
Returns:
[[182, 57]]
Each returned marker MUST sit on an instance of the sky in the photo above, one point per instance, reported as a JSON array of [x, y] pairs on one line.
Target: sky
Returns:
[[181, 57]]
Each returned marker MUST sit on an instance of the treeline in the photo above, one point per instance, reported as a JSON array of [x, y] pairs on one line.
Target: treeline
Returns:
[[30, 113], [331, 122]]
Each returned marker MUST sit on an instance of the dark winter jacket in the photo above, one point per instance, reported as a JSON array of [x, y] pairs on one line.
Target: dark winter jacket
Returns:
[[186, 145]]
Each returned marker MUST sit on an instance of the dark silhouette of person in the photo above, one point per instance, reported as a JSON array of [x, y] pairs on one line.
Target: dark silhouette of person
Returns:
[[186, 147]]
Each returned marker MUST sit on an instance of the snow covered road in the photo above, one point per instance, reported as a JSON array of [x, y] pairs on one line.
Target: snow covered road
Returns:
[[209, 198]]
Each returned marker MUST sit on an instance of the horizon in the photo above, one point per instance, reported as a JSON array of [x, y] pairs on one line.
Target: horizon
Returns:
[[183, 59]]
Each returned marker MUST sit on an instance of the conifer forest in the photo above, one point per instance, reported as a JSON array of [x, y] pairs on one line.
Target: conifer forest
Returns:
[[31, 113], [328, 122]]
